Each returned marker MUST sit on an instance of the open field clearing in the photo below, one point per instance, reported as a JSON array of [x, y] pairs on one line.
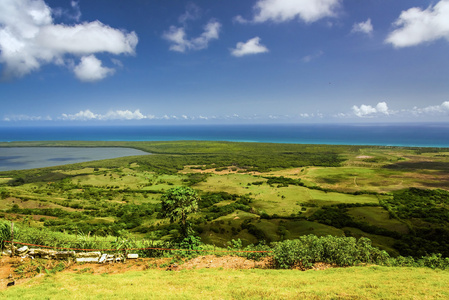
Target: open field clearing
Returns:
[[378, 217]]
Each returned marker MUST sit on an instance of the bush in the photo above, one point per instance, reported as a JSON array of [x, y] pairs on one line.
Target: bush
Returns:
[[5, 233], [341, 251]]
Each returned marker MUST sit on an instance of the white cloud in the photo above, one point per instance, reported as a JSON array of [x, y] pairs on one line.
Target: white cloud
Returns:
[[86, 115], [26, 118], [311, 57], [123, 115], [363, 27], [443, 108], [285, 10], [86, 38], [180, 42], [91, 69], [240, 19], [417, 26], [80, 116], [193, 12], [29, 38], [369, 111], [252, 46], [77, 12]]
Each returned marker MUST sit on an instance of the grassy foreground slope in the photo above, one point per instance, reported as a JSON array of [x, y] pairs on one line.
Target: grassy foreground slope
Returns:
[[397, 197], [341, 283]]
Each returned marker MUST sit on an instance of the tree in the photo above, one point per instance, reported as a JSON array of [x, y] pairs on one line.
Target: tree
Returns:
[[177, 203]]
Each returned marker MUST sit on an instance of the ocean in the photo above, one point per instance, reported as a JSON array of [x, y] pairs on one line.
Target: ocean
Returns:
[[412, 135]]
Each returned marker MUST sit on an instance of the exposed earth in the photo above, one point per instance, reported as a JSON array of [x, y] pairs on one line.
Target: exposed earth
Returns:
[[21, 270]]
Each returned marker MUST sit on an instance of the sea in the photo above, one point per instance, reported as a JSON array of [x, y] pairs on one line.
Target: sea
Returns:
[[411, 135], [405, 135]]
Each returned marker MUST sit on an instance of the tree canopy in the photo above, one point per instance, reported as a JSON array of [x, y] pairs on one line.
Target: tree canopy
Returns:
[[177, 203]]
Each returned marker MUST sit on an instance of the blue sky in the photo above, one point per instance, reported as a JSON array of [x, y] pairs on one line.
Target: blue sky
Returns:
[[223, 61]]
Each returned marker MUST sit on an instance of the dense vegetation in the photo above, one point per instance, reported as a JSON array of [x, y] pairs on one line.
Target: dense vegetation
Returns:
[[250, 192]]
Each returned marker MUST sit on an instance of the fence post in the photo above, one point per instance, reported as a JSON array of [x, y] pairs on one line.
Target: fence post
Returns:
[[12, 239]]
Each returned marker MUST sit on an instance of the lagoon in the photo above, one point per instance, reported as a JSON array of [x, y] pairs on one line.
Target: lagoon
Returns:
[[20, 158]]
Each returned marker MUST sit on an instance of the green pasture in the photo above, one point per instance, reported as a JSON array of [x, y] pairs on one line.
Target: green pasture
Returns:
[[340, 283], [298, 228], [277, 200], [379, 217], [4, 180], [381, 180], [288, 200]]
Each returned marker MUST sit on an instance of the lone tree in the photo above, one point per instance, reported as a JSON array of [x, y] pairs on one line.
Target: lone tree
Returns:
[[177, 203]]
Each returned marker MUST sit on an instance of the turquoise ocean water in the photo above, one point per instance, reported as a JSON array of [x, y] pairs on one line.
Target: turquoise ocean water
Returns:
[[414, 135]]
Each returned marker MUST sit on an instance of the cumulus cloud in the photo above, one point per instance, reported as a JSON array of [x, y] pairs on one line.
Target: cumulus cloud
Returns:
[[29, 38], [252, 46], [83, 115], [285, 10], [177, 36], [443, 108], [86, 115], [363, 27], [180, 43], [416, 26], [369, 111], [91, 69]]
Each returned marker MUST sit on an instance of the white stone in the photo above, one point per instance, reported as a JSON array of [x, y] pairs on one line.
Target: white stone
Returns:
[[22, 250], [88, 254], [103, 258], [132, 255], [88, 259]]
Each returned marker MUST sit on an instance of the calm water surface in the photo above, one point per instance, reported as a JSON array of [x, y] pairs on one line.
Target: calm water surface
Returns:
[[18, 158]]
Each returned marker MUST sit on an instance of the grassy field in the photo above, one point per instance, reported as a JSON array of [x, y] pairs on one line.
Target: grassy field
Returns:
[[340, 283]]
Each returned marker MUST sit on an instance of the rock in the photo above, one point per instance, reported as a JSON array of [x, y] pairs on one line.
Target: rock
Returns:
[[88, 254], [132, 255], [103, 258], [23, 250], [88, 259], [65, 254], [44, 253]]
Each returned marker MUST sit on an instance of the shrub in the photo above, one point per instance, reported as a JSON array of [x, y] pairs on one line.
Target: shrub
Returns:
[[341, 251]]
